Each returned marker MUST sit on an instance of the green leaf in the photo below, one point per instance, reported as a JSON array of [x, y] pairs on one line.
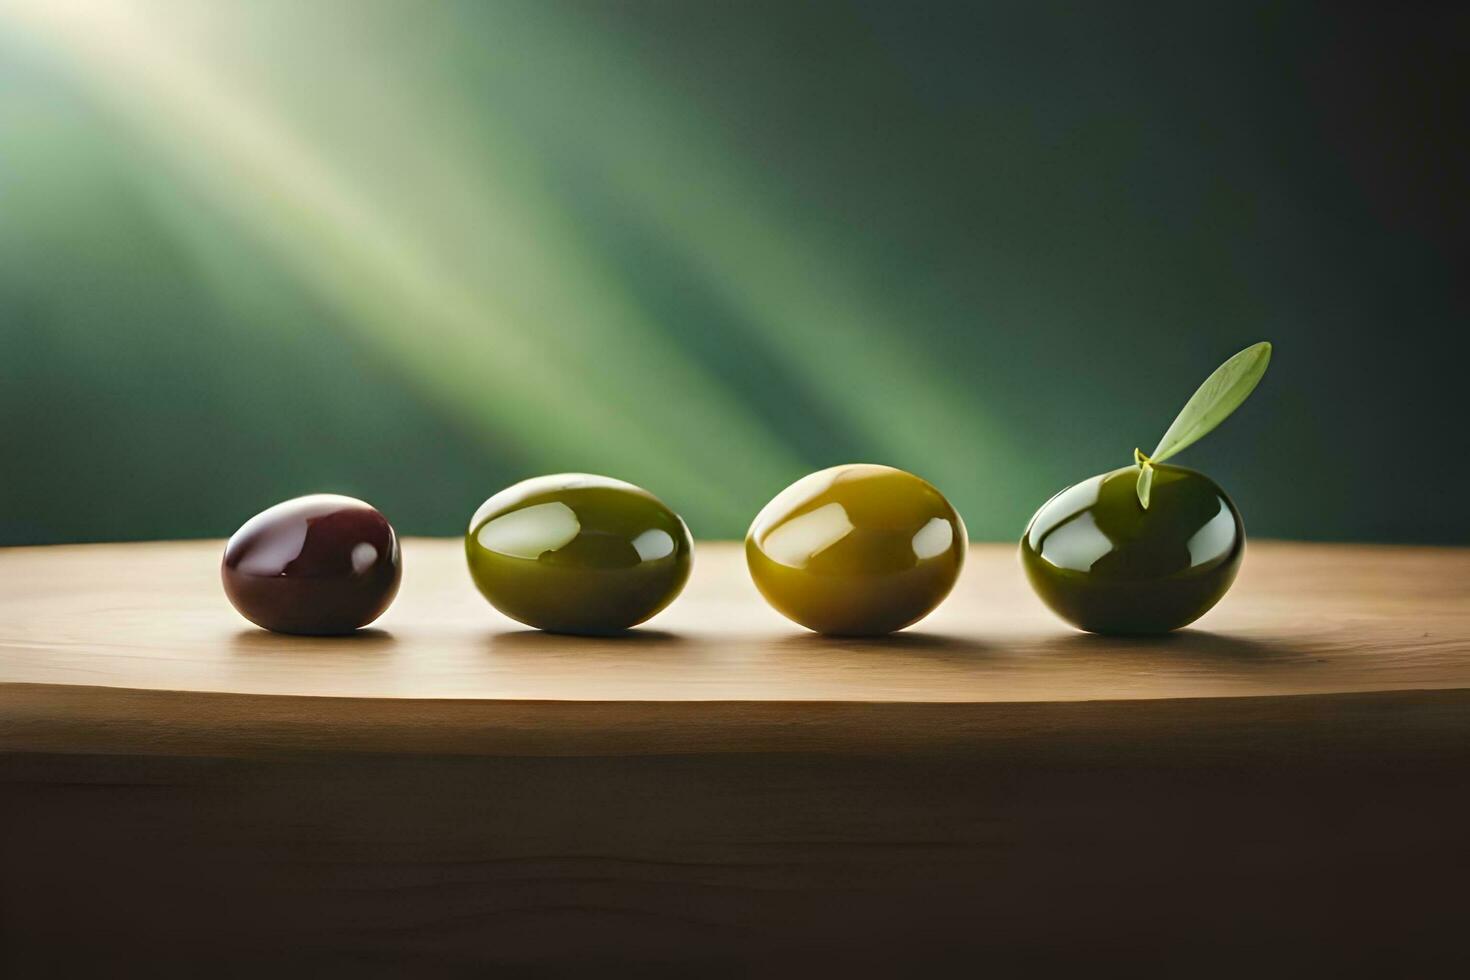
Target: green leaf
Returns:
[[1221, 394]]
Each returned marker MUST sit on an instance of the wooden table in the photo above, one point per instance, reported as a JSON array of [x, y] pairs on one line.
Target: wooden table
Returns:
[[1285, 788]]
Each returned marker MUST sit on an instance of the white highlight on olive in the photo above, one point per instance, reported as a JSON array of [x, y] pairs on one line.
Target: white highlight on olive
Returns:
[[363, 556], [272, 552], [1212, 541], [653, 544], [1076, 544], [801, 539], [531, 531], [934, 538], [1077, 497]]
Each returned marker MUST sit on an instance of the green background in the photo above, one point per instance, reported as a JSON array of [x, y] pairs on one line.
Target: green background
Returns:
[[415, 252]]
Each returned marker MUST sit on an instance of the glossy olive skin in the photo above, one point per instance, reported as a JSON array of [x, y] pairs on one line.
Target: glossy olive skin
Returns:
[[856, 550], [320, 564], [576, 553], [1106, 565]]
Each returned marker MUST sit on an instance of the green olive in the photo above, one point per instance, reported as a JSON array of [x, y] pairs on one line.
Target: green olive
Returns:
[[574, 553], [857, 550], [1106, 565]]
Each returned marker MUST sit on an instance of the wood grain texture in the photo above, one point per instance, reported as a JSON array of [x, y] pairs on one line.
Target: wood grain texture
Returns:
[[1281, 792]]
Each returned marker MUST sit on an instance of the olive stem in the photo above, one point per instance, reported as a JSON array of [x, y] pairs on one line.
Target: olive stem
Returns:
[[1145, 476]]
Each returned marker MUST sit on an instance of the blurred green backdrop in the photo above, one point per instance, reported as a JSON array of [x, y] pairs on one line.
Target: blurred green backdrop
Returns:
[[414, 252]]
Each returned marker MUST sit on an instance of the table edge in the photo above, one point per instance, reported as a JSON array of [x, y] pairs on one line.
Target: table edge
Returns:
[[43, 718]]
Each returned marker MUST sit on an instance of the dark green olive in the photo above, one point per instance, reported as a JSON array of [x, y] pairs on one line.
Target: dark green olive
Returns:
[[574, 553], [1106, 565], [856, 550]]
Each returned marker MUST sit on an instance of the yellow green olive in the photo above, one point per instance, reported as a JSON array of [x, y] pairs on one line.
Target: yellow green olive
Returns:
[[575, 553], [856, 550], [1106, 564]]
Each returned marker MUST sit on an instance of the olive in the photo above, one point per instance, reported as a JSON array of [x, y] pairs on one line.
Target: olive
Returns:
[[317, 564], [576, 553], [856, 550], [1106, 564]]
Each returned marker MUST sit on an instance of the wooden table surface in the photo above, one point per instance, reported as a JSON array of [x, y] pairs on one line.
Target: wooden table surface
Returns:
[[449, 791], [1302, 619]]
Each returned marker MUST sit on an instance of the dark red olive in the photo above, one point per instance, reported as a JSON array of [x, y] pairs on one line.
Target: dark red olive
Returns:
[[319, 564]]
